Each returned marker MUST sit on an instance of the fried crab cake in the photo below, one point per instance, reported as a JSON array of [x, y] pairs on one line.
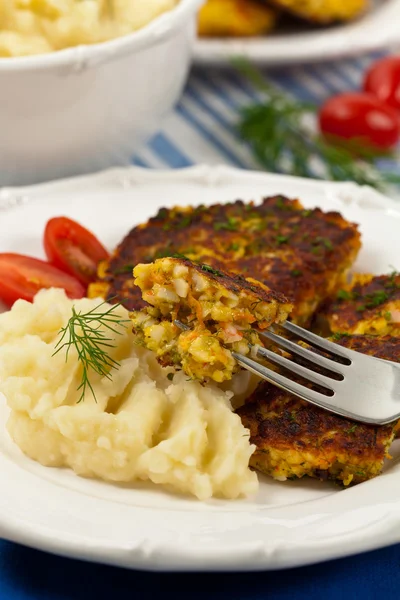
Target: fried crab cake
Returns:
[[368, 305], [218, 309], [304, 254], [323, 12], [236, 18], [296, 439]]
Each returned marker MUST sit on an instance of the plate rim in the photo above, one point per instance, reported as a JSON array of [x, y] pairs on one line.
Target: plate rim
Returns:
[[346, 40], [381, 532]]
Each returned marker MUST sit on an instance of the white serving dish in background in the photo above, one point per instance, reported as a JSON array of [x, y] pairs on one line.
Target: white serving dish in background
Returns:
[[378, 29], [86, 108]]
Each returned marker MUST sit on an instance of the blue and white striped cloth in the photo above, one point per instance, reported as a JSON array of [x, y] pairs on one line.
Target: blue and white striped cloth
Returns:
[[202, 127]]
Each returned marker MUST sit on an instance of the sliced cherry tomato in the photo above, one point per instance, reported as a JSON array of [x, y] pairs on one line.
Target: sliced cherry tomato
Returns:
[[383, 81], [22, 277], [72, 248], [360, 116]]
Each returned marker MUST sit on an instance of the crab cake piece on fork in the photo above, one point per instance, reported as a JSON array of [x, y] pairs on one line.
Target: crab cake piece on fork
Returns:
[[219, 310]]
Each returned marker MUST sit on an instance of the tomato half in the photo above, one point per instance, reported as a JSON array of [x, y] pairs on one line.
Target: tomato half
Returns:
[[22, 277], [383, 81], [73, 248], [360, 116]]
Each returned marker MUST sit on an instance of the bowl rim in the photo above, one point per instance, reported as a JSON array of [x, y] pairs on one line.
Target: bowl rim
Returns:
[[78, 57]]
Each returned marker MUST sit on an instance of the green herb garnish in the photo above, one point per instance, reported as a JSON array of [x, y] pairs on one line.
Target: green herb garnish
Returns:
[[388, 315], [278, 133], [230, 225], [352, 429], [170, 376], [326, 242], [391, 282], [280, 203], [282, 239], [162, 214], [296, 273], [234, 247], [184, 222], [209, 269], [376, 299], [344, 295], [84, 333], [339, 335], [124, 269]]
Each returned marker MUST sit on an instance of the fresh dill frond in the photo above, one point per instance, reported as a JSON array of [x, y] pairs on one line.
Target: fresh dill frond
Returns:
[[279, 134], [87, 333]]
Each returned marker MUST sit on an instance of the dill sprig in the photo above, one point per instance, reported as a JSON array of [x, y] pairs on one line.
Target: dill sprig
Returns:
[[282, 140], [87, 333]]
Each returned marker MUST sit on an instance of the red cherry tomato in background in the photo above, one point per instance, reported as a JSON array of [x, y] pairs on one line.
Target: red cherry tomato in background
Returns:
[[383, 81], [360, 116], [22, 277], [72, 248]]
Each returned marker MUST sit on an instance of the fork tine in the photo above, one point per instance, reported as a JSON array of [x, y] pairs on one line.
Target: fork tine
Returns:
[[308, 394], [298, 369], [294, 348], [316, 340], [283, 382]]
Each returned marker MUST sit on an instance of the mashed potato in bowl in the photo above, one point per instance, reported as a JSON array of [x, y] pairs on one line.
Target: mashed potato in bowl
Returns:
[[40, 26], [145, 424]]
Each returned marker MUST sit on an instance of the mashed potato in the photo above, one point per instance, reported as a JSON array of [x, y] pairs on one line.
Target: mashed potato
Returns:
[[143, 426], [39, 26]]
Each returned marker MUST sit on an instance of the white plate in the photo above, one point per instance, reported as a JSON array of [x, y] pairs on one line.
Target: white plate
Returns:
[[378, 29], [287, 524]]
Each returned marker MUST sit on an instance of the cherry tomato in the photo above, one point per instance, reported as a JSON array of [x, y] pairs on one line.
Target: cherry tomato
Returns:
[[72, 248], [22, 277], [383, 81], [360, 116]]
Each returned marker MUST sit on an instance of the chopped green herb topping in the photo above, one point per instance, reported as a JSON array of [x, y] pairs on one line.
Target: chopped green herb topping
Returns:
[[184, 222], [339, 335], [352, 429], [162, 214], [125, 269], [230, 225], [344, 295], [326, 242], [234, 247], [282, 239], [209, 269], [372, 300], [296, 273]]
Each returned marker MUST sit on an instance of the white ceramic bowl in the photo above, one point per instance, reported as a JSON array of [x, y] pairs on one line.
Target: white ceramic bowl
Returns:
[[90, 107]]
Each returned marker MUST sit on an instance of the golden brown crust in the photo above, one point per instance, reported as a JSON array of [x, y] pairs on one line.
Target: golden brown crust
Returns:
[[386, 347], [294, 438], [368, 305], [300, 253], [322, 12]]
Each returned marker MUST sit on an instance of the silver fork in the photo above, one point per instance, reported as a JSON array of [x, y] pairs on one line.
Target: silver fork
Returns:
[[354, 385]]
